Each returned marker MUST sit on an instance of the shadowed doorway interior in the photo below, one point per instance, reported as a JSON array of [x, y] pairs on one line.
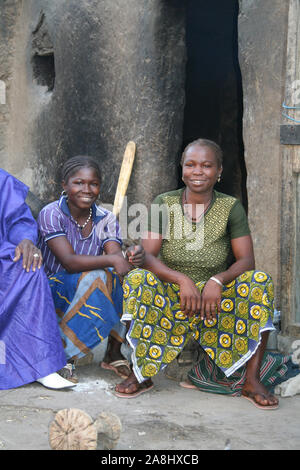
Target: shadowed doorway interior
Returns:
[[214, 100]]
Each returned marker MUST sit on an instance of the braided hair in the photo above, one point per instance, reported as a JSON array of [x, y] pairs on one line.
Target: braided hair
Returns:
[[74, 164]]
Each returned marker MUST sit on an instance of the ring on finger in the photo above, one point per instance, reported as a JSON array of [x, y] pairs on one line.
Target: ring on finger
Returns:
[[36, 255]]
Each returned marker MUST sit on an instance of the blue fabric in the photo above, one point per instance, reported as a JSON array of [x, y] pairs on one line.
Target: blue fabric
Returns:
[[30, 343], [89, 306]]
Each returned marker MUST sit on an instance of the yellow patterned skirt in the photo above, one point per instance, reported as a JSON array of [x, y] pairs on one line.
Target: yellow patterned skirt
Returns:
[[159, 330]]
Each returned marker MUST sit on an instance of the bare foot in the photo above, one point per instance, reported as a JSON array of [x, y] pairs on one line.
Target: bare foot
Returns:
[[114, 360], [187, 384], [260, 396], [121, 367], [68, 372], [130, 387]]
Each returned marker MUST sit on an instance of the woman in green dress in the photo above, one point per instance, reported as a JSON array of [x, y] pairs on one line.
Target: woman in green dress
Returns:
[[198, 280]]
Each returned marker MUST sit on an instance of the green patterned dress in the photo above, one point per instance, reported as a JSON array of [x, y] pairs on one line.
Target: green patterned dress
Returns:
[[159, 330]]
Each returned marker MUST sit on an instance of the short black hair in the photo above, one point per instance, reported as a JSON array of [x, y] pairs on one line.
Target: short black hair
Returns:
[[205, 143]]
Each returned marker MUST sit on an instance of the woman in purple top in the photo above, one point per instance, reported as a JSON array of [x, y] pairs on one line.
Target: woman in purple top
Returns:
[[81, 246], [30, 345]]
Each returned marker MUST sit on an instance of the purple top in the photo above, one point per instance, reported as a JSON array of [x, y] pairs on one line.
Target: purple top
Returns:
[[55, 220]]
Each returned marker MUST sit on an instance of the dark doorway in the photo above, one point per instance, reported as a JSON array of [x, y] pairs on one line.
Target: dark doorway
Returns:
[[214, 102]]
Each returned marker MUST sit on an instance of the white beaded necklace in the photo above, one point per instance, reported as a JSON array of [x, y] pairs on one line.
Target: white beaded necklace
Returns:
[[86, 222]]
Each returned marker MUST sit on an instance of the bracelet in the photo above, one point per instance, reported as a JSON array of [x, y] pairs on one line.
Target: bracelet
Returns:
[[216, 280]]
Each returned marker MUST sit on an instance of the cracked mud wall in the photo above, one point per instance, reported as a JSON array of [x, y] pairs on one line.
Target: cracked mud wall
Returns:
[[87, 77], [9, 30]]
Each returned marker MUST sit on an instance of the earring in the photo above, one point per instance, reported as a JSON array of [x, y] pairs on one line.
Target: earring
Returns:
[[219, 178], [64, 194]]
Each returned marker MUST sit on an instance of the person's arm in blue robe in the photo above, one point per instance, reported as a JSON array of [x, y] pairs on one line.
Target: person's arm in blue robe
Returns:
[[18, 226]]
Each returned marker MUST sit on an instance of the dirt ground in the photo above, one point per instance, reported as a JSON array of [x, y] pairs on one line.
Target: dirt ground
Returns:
[[166, 418]]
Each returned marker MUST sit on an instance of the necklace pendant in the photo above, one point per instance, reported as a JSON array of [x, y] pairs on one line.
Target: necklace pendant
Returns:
[[186, 211]]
